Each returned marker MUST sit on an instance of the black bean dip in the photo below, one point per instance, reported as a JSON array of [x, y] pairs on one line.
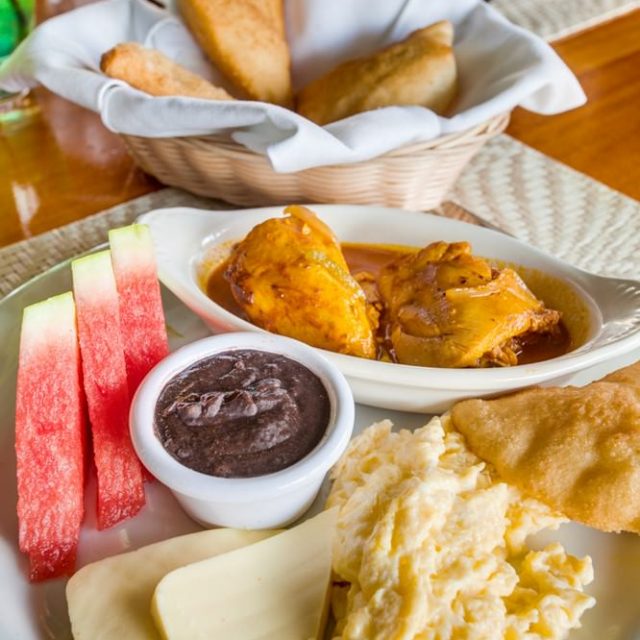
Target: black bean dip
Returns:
[[242, 413]]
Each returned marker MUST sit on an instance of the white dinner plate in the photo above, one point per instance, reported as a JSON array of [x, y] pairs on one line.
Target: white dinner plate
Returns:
[[39, 612]]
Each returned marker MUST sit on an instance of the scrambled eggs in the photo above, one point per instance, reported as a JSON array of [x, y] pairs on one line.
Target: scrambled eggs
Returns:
[[432, 546]]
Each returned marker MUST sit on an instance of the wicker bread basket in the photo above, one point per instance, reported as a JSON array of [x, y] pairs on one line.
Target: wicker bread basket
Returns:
[[413, 177]]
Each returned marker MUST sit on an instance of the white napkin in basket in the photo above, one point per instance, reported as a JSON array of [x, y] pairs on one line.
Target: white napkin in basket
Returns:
[[500, 66]]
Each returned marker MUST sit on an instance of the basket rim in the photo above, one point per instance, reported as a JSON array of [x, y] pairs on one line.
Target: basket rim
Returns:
[[486, 129]]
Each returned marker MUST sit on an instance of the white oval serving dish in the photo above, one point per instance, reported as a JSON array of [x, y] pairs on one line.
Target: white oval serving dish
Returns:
[[186, 238]]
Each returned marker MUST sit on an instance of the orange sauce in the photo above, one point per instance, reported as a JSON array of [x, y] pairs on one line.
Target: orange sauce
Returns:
[[544, 346], [372, 258], [219, 290]]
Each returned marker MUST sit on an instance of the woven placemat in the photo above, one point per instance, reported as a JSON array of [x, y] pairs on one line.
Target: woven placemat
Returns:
[[553, 19], [507, 184], [21, 261], [553, 207]]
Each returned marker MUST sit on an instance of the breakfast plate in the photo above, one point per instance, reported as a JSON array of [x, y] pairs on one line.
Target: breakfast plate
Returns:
[[34, 612]]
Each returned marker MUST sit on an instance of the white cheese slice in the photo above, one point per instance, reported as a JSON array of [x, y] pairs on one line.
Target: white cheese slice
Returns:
[[111, 599], [273, 590]]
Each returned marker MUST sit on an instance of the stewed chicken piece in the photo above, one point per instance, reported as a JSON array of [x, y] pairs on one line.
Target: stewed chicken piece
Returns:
[[290, 277], [447, 308]]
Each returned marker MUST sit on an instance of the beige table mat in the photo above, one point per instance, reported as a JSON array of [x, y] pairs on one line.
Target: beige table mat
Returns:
[[23, 260], [508, 184], [553, 207], [553, 19]]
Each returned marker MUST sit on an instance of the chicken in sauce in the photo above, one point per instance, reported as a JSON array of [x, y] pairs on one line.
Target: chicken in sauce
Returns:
[[439, 306], [447, 308], [289, 276]]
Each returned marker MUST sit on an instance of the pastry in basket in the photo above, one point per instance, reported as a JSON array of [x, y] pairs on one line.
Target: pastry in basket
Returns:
[[420, 70], [448, 308], [576, 449], [290, 277], [151, 71], [245, 39]]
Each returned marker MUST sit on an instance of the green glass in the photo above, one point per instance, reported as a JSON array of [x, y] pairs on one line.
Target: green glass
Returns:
[[16, 21]]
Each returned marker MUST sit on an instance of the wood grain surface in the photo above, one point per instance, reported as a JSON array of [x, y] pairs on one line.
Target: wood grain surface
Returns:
[[60, 164], [601, 139]]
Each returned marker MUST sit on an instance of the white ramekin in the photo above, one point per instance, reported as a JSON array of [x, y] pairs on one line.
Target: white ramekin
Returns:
[[261, 502]]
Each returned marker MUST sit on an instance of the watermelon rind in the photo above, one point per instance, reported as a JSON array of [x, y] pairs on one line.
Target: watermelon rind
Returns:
[[95, 267], [133, 241]]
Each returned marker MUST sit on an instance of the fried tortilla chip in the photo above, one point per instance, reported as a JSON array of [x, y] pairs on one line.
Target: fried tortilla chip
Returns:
[[420, 70], [152, 72], [575, 448], [245, 39]]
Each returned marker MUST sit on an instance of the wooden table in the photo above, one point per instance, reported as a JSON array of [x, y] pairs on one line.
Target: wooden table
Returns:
[[601, 139], [61, 164]]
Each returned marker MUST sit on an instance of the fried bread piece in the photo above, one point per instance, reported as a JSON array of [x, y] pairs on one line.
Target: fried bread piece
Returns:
[[419, 70], [245, 39], [290, 277], [151, 71], [448, 308], [575, 448]]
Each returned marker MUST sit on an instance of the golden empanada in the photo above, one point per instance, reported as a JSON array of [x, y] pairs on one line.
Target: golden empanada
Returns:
[[420, 70], [245, 39], [575, 448], [152, 72]]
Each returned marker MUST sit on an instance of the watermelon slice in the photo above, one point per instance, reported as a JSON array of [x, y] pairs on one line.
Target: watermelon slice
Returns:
[[50, 435], [141, 315], [120, 487]]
